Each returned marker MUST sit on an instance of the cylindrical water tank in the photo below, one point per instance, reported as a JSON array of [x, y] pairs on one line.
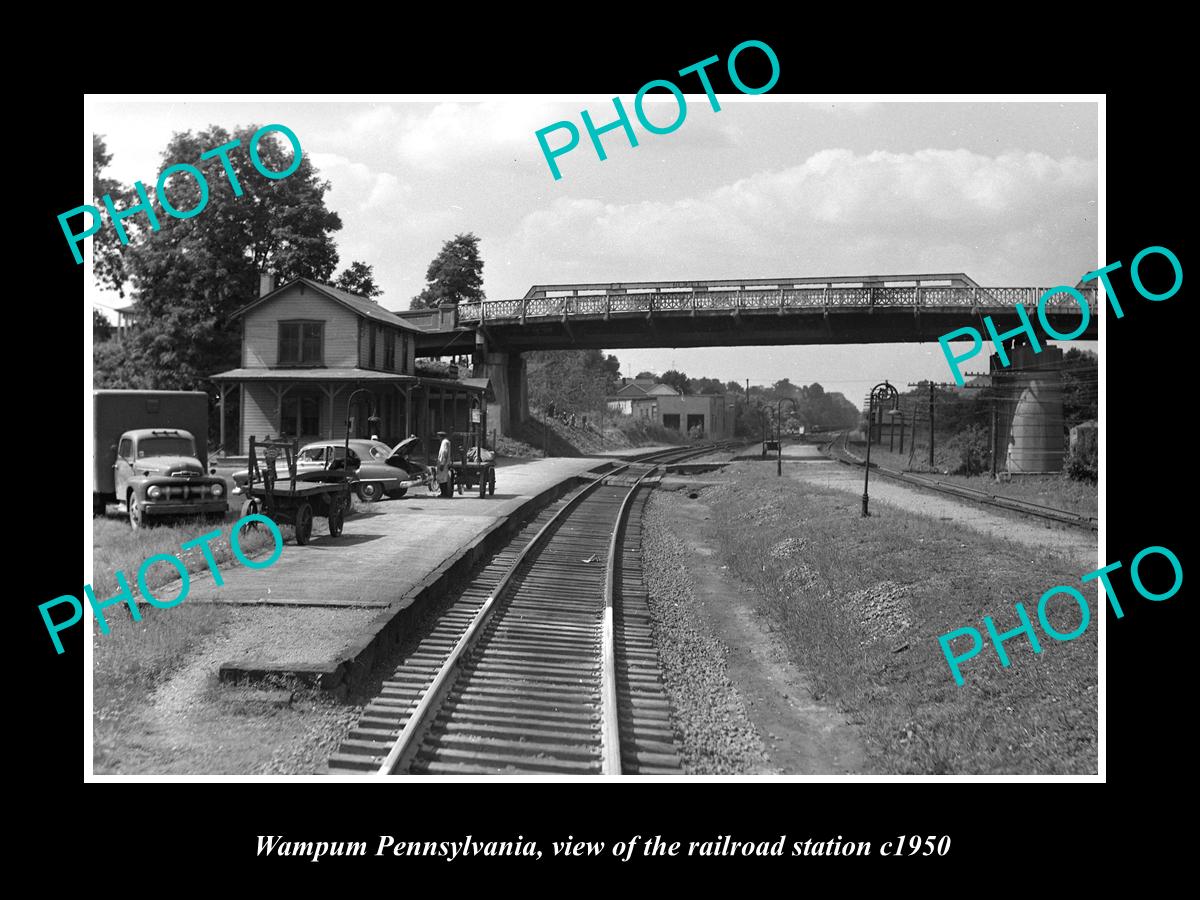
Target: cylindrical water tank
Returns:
[[1036, 437]]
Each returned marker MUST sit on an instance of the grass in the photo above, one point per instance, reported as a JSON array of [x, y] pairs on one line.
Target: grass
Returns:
[[131, 661], [861, 603], [620, 432], [117, 547], [1055, 490], [136, 657]]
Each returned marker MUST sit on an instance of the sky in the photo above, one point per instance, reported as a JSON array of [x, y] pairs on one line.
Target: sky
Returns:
[[768, 187]]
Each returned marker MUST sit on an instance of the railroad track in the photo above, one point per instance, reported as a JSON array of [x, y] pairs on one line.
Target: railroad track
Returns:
[[1066, 517], [544, 663]]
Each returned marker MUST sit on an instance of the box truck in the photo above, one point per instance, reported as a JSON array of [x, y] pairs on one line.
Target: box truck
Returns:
[[150, 453]]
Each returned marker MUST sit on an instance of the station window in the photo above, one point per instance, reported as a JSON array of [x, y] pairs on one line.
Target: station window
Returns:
[[300, 415], [301, 343]]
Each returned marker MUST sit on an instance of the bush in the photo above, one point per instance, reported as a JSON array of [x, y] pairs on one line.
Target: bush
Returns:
[[1083, 464], [972, 452], [643, 432]]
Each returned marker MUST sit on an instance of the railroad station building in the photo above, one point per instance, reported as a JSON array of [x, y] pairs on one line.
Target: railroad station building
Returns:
[[308, 347]]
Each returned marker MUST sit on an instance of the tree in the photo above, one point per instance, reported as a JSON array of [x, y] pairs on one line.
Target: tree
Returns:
[[705, 386], [191, 275], [646, 375], [675, 379], [612, 374], [784, 388], [102, 329], [454, 276], [358, 278], [107, 250], [1080, 377], [573, 380]]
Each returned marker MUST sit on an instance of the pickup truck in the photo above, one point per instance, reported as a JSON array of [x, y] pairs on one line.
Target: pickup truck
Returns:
[[146, 460], [157, 473]]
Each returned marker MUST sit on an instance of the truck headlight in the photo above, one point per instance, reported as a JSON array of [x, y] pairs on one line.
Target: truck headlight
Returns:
[[218, 490], [154, 492]]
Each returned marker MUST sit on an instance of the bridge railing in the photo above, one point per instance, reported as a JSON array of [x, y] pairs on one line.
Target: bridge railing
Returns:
[[981, 298]]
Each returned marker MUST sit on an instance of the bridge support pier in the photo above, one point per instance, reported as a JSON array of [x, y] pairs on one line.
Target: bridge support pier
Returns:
[[507, 374]]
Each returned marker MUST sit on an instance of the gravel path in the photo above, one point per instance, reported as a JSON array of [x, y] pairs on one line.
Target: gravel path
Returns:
[[1078, 544], [195, 725], [717, 736]]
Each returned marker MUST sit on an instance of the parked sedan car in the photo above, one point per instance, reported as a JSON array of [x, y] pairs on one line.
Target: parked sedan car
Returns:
[[375, 475]]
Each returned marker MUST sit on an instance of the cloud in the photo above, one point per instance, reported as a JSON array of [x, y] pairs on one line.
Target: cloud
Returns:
[[357, 187], [452, 133], [1003, 219]]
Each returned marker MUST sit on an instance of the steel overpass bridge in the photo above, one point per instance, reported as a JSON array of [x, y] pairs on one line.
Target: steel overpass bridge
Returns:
[[747, 312]]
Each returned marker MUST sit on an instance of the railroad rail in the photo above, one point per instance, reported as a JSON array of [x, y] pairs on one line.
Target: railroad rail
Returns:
[[1027, 507], [544, 663]]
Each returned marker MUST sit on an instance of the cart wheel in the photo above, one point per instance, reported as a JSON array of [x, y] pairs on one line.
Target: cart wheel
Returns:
[[249, 508], [304, 520], [491, 482], [337, 516], [482, 485], [370, 491], [458, 480]]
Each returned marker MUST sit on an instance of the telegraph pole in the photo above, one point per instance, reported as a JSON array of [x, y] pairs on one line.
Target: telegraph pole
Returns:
[[931, 420], [931, 424], [992, 439]]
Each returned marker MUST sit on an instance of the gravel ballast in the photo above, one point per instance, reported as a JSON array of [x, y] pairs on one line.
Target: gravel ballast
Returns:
[[715, 732]]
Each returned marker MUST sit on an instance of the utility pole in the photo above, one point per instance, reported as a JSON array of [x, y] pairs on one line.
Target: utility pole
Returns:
[[931, 424], [992, 439], [931, 421]]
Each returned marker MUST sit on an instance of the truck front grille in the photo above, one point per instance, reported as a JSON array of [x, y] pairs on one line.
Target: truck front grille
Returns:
[[186, 492]]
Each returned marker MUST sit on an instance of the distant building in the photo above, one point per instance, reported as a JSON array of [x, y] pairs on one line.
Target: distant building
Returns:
[[639, 398], [664, 405]]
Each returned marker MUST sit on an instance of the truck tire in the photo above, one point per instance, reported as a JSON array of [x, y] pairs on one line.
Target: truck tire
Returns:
[[136, 517]]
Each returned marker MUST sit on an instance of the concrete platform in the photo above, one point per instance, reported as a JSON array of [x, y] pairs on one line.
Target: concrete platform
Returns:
[[320, 610], [387, 547]]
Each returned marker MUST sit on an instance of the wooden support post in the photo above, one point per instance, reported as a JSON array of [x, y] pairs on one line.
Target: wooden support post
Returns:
[[224, 390]]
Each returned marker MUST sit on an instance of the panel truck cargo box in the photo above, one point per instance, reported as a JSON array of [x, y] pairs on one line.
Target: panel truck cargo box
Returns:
[[118, 412]]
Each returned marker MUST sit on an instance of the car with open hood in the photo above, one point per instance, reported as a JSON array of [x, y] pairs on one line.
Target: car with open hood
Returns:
[[379, 470]]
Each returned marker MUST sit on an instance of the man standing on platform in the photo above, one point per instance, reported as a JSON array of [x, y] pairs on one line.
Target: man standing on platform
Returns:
[[443, 466]]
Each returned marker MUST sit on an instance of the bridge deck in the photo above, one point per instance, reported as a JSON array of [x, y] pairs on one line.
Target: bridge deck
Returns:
[[983, 300]]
